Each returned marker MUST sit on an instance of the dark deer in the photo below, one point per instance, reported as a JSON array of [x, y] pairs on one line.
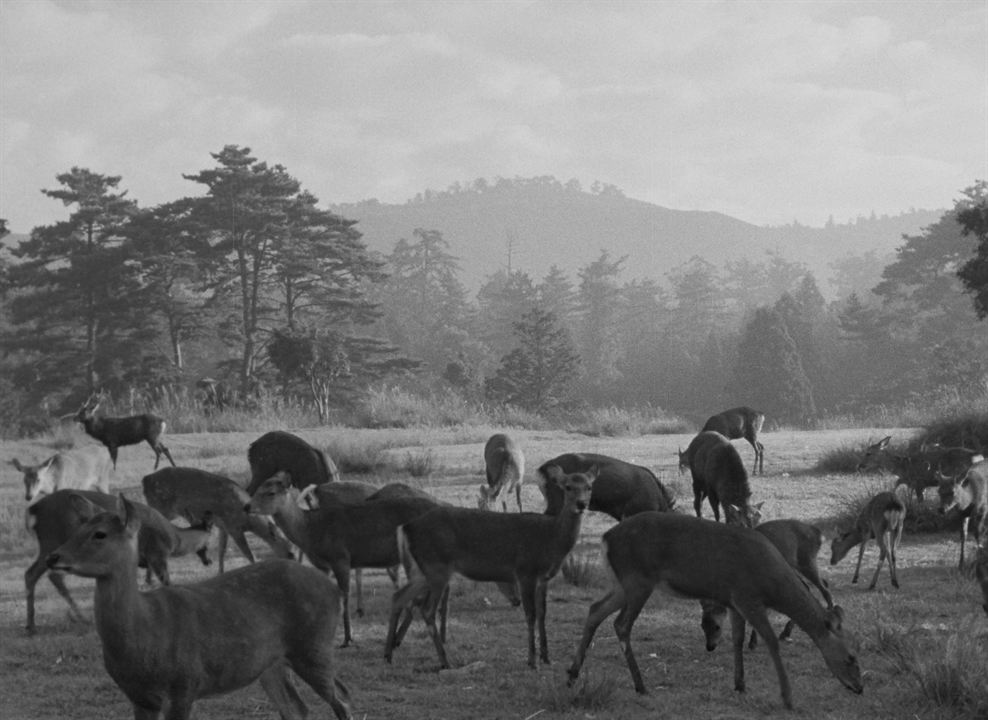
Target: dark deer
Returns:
[[279, 450], [620, 490], [117, 432], [737, 423], [504, 464], [731, 565], [167, 648], [720, 477]]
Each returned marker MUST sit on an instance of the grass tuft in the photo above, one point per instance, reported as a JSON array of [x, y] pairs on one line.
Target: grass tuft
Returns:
[[588, 693]]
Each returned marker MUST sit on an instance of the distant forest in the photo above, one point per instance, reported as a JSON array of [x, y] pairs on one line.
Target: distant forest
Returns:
[[255, 286]]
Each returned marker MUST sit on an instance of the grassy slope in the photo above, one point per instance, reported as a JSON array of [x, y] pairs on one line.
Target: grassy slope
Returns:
[[59, 672]]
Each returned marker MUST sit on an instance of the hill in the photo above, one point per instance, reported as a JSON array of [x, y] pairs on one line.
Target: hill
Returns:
[[540, 222]]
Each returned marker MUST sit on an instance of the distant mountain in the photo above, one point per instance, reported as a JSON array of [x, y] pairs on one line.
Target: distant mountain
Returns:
[[543, 223]]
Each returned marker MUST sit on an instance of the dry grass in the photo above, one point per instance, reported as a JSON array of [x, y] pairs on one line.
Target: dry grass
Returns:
[[935, 617]]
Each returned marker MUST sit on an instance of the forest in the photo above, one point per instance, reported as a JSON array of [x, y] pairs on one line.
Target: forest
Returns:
[[251, 288]]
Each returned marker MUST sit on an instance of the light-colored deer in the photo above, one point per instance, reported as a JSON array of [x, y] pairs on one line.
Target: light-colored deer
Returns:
[[84, 468], [54, 518], [504, 465], [968, 492], [882, 519], [523, 548], [339, 537], [737, 423], [167, 648], [191, 494], [719, 476], [799, 544], [732, 565]]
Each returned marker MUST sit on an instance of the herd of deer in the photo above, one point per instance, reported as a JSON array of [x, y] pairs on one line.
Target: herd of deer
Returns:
[[168, 647]]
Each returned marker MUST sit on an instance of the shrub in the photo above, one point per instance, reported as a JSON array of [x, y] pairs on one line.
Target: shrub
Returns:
[[587, 693], [618, 422], [582, 570], [421, 464], [952, 675], [843, 459]]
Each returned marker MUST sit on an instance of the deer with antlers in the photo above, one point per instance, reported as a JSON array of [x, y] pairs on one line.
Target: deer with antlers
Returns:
[[115, 432]]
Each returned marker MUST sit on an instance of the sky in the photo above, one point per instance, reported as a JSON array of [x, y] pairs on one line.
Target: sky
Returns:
[[766, 111]]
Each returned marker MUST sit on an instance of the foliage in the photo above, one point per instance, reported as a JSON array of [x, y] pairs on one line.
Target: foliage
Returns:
[[972, 215]]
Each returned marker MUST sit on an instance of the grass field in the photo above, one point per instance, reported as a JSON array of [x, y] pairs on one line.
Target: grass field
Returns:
[[900, 635]]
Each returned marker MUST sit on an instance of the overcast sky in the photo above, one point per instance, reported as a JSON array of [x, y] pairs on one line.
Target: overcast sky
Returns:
[[768, 112]]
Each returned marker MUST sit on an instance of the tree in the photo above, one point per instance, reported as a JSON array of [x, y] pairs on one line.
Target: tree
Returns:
[[599, 298], [537, 374], [501, 301], [74, 309], [972, 215]]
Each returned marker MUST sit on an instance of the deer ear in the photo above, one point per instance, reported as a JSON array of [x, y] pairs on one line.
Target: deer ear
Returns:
[[129, 515], [307, 499], [593, 472], [554, 472], [17, 464], [884, 442], [83, 507]]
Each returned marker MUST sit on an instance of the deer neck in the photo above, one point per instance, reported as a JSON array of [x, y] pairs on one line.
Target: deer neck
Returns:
[[567, 527], [121, 613], [296, 523]]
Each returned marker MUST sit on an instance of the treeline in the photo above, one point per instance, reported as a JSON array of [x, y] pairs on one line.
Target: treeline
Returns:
[[254, 285]]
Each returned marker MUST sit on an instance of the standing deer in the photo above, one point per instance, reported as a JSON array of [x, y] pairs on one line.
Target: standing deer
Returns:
[[737, 423], [54, 518], [732, 565], [620, 490], [915, 472], [799, 544], [968, 492], [882, 518], [117, 432], [279, 450], [193, 494], [167, 648], [85, 468], [339, 537], [720, 477], [504, 464], [526, 549]]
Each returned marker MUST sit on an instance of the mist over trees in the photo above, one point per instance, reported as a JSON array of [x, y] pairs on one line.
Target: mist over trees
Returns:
[[254, 284]]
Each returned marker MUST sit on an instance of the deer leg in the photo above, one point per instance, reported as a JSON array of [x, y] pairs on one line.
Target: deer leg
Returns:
[[528, 602], [882, 553], [623, 623], [167, 454], [737, 642], [341, 571], [964, 519], [113, 455], [599, 611], [787, 630], [518, 495], [433, 600], [857, 567], [412, 592], [358, 579], [318, 674], [540, 601], [714, 505], [282, 693], [698, 503], [759, 620], [893, 570]]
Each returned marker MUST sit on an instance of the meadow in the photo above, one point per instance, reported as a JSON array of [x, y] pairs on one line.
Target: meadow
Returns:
[[919, 647]]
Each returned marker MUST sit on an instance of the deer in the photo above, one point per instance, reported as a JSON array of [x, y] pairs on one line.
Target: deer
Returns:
[[968, 493], [737, 423], [730, 564], [914, 472], [620, 490], [191, 494], [981, 574], [54, 518], [167, 648], [799, 544], [279, 450], [504, 465], [526, 549], [720, 477], [115, 432], [85, 468], [882, 518], [337, 538]]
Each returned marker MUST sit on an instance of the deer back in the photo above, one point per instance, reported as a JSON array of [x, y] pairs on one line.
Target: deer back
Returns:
[[279, 450], [190, 493], [739, 422], [620, 490]]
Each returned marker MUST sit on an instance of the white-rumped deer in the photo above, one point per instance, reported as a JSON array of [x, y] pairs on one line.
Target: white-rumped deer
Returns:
[[167, 648], [620, 490], [741, 422], [338, 537], [968, 493], [115, 432], [882, 519], [720, 477], [281, 451], [54, 518], [733, 565], [799, 544], [526, 549], [504, 465], [191, 494], [85, 468]]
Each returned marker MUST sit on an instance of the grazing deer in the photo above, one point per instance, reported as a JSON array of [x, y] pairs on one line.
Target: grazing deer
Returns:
[[279, 450], [737, 423], [526, 549], [620, 490], [85, 468], [968, 492], [117, 432], [337, 538], [193, 494], [914, 472], [504, 464], [167, 648], [54, 518], [732, 565], [882, 518], [799, 544], [720, 477]]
